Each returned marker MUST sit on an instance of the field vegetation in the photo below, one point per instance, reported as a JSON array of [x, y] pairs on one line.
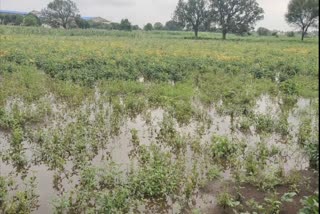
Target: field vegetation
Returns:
[[95, 121]]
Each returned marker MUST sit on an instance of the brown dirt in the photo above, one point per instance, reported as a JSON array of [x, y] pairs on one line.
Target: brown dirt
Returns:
[[307, 186]]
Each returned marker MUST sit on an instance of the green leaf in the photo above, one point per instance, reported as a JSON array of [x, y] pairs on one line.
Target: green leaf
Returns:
[[288, 197]]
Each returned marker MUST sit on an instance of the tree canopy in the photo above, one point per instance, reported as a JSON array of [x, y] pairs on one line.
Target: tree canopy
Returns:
[[125, 24], [192, 13], [60, 13], [31, 20], [303, 14], [148, 27], [236, 16], [11, 19], [158, 26], [263, 31]]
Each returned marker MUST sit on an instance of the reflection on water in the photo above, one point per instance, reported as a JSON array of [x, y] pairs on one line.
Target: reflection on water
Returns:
[[119, 149]]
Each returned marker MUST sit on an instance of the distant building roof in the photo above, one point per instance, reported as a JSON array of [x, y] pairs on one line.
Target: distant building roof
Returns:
[[97, 20]]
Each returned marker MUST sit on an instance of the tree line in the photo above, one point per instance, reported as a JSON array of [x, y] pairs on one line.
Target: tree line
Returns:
[[240, 16], [16, 19], [225, 16]]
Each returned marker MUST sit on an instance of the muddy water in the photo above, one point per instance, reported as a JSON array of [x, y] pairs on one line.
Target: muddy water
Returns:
[[267, 105], [119, 148]]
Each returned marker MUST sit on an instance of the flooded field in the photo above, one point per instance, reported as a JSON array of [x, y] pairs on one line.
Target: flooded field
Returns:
[[129, 125], [85, 130]]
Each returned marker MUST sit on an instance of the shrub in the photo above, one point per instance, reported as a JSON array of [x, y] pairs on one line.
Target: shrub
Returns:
[[30, 20], [290, 34], [289, 87], [148, 27], [263, 31]]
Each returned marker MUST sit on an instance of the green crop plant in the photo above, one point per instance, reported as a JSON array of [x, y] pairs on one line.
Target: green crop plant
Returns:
[[223, 149], [264, 124], [310, 204], [24, 200], [225, 200], [305, 130], [128, 119], [158, 178], [213, 173]]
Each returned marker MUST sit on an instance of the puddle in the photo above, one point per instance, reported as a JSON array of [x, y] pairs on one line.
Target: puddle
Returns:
[[267, 105]]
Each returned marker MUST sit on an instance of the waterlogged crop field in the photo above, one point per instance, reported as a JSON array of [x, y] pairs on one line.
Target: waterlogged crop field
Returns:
[[114, 122]]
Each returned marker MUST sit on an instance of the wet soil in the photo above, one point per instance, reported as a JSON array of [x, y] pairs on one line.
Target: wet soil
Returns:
[[307, 187]]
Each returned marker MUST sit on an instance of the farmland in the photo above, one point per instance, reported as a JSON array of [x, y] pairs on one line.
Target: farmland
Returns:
[[95, 121]]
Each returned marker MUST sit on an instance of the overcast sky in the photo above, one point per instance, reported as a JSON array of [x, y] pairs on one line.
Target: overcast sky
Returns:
[[143, 11]]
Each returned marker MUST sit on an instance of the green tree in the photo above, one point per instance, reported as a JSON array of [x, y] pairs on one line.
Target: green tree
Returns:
[[7, 19], [2, 18], [148, 27], [173, 26], [18, 20], [263, 31], [115, 26], [303, 14], [31, 20], [236, 16], [290, 34], [158, 26], [136, 27], [125, 25], [12, 19], [82, 23], [191, 13], [60, 13]]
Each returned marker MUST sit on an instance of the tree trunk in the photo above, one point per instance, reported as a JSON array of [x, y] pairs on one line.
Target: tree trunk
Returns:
[[196, 32], [302, 36], [224, 34]]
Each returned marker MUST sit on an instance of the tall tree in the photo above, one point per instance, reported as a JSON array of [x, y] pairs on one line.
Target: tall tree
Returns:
[[148, 27], [158, 26], [125, 24], [303, 14], [60, 13], [191, 13], [236, 16]]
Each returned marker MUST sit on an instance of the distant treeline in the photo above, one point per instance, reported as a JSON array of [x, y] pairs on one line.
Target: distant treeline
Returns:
[[78, 22], [17, 19], [233, 16], [33, 20]]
